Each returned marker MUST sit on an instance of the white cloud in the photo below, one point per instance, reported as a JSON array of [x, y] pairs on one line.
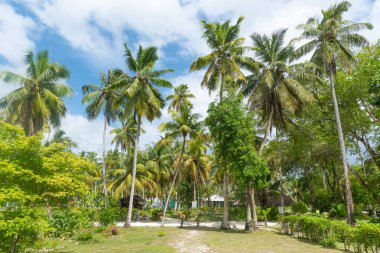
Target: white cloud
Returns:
[[15, 40], [98, 28], [87, 134], [15, 35]]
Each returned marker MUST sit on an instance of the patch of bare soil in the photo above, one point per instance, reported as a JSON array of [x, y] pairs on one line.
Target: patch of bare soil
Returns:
[[191, 242]]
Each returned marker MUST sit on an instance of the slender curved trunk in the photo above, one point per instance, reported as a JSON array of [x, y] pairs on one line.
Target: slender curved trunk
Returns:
[[132, 192], [104, 165], [349, 201], [267, 132], [174, 180]]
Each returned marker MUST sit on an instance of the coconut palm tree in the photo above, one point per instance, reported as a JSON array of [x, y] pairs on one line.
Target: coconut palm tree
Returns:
[[122, 173], [330, 41], [183, 124], [141, 97], [38, 102], [60, 137], [274, 88], [160, 160], [223, 69], [126, 134], [101, 99], [180, 98], [197, 162]]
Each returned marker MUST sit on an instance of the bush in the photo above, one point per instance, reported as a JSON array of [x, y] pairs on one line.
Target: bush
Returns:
[[338, 211], [328, 242], [107, 216], [364, 237], [299, 207], [161, 233], [64, 222], [84, 236]]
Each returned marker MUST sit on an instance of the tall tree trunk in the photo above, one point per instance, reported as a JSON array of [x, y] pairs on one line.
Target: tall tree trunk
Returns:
[[174, 180], [225, 223], [350, 203], [248, 222], [104, 164], [267, 132], [132, 192], [281, 190], [252, 206]]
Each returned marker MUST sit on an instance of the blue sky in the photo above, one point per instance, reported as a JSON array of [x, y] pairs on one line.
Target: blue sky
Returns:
[[87, 36]]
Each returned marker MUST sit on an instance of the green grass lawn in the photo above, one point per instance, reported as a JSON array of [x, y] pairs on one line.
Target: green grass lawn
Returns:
[[192, 240]]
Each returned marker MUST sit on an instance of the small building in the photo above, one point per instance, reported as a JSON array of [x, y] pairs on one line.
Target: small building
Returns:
[[216, 201]]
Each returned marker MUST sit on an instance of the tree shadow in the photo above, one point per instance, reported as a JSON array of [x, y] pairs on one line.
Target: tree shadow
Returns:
[[213, 229]]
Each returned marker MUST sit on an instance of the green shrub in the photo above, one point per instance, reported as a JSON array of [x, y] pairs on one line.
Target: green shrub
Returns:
[[365, 237], [84, 236], [299, 207], [338, 211], [328, 242], [64, 222], [107, 216], [161, 233]]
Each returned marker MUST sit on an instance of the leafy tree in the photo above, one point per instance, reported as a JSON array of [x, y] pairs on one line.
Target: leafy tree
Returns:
[[126, 134], [142, 97], [38, 102], [231, 130], [331, 39], [223, 68], [102, 99], [180, 98], [33, 176]]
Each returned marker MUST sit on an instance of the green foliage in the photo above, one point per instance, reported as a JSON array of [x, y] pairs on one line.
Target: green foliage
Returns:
[[64, 222], [30, 175], [299, 207], [328, 242], [364, 237], [84, 236], [161, 233], [107, 216], [338, 211], [231, 129]]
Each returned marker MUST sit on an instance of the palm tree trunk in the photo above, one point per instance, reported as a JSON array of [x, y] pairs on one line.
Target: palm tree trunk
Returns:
[[132, 192], [174, 180], [350, 203], [104, 164], [225, 223], [267, 132]]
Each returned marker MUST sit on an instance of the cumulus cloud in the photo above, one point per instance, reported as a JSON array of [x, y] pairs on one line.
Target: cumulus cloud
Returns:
[[87, 134], [15, 35]]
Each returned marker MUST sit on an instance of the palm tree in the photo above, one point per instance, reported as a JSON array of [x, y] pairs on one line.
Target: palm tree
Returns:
[[274, 88], [183, 124], [160, 160], [126, 134], [142, 97], [101, 99], [60, 137], [197, 162], [180, 98], [38, 102], [223, 69], [122, 173], [331, 40]]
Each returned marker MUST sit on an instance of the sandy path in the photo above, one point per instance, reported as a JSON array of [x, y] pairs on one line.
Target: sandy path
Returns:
[[191, 242]]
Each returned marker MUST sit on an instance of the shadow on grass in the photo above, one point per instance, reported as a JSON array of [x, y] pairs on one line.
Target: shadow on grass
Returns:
[[304, 240], [232, 230]]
